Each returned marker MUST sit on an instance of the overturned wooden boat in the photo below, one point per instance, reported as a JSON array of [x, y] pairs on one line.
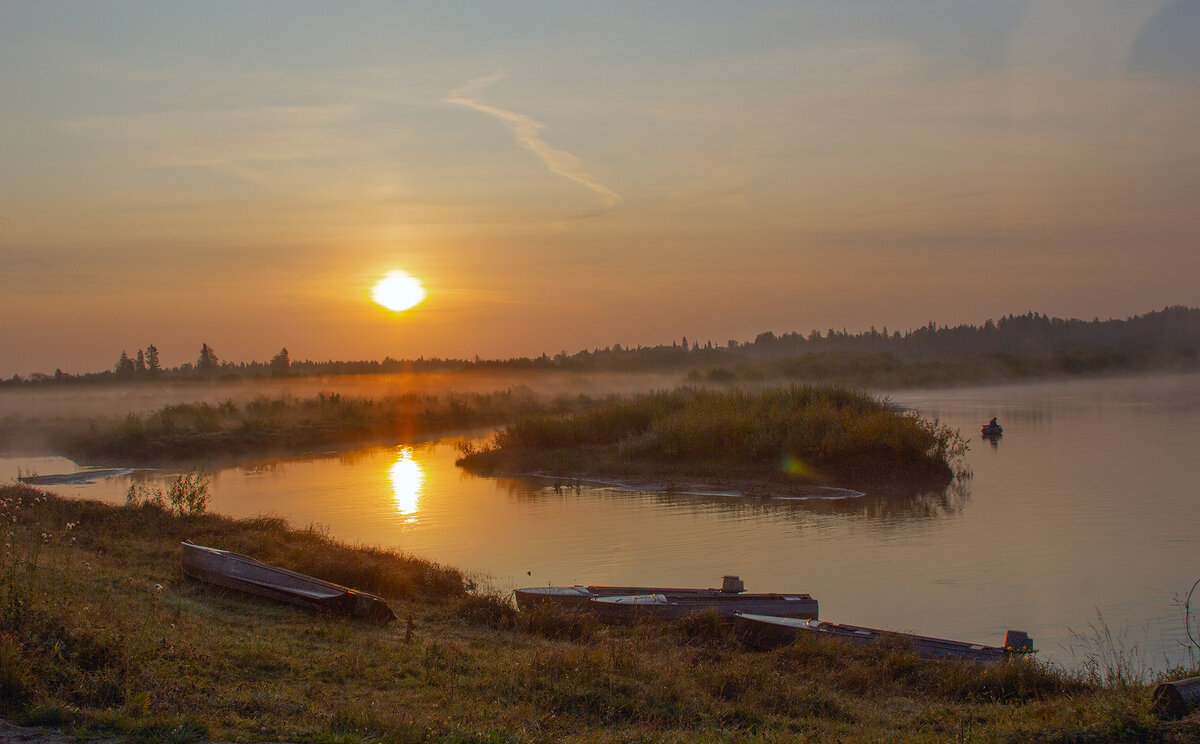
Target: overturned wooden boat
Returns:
[[764, 633], [235, 571], [577, 597], [674, 606]]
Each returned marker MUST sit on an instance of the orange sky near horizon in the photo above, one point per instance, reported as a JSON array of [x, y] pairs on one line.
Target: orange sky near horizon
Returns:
[[561, 177]]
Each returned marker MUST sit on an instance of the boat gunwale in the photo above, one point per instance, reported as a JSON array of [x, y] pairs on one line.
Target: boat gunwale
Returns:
[[327, 596], [862, 635]]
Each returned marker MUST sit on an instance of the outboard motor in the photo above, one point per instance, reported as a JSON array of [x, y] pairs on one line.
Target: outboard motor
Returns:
[[1017, 640], [732, 585]]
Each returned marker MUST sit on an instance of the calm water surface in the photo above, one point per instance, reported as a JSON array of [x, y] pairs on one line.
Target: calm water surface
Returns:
[[1088, 507]]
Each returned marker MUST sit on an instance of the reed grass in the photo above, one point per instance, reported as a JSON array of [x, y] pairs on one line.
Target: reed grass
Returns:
[[100, 635], [797, 433], [264, 425]]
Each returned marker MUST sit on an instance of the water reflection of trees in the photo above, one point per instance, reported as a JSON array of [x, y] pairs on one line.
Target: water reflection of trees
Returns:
[[883, 503]]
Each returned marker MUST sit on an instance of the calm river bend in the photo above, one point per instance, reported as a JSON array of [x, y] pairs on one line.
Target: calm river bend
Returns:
[[1086, 512]]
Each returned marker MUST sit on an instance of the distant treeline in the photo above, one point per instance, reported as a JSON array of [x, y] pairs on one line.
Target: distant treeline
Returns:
[[1013, 346]]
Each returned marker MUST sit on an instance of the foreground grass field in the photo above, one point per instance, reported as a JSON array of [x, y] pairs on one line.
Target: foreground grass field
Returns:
[[100, 634]]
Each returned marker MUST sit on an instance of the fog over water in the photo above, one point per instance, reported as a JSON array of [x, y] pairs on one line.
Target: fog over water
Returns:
[[74, 401]]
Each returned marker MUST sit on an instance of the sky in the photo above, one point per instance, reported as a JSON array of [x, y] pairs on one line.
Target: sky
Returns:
[[566, 175]]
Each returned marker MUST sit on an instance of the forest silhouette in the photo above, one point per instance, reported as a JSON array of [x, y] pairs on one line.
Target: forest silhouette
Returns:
[[1012, 347]]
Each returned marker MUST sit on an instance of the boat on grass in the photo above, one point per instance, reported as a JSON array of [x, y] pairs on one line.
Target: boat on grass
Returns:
[[245, 574], [624, 603], [674, 606], [764, 633], [577, 597]]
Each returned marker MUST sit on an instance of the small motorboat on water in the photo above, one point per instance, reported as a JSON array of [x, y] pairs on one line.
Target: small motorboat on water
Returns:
[[992, 429], [765, 633], [630, 603], [245, 574]]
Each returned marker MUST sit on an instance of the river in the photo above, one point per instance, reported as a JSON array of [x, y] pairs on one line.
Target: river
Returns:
[[1083, 519]]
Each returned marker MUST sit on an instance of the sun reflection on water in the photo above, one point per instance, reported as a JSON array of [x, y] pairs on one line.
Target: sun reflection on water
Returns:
[[408, 481]]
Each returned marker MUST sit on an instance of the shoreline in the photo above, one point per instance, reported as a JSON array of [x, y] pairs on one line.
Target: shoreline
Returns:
[[691, 487]]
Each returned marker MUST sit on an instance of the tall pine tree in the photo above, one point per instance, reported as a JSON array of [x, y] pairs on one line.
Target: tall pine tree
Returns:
[[152, 365], [207, 363]]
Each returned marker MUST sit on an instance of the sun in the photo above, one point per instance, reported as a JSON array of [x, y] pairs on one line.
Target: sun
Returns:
[[398, 291]]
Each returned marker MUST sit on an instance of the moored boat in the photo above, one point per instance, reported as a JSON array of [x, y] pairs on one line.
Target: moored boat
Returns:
[[764, 633], [577, 597], [245, 574], [674, 606]]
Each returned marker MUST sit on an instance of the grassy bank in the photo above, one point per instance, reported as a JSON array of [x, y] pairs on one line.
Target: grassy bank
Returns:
[[780, 435], [101, 634]]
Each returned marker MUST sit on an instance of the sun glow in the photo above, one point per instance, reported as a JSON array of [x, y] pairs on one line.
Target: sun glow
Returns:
[[398, 291], [408, 481]]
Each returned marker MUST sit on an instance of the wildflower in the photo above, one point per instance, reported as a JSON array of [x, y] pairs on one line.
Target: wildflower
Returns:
[[158, 587]]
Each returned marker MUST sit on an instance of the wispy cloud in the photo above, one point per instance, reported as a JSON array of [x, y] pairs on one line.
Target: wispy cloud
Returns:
[[312, 149], [526, 130], [220, 137]]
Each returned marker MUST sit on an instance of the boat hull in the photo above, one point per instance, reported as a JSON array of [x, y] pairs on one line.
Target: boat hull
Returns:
[[672, 607], [578, 598], [765, 633], [245, 574]]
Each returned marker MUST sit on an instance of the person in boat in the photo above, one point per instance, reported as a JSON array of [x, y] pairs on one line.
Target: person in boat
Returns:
[[992, 424]]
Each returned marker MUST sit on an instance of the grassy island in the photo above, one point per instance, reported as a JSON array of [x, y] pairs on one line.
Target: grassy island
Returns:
[[101, 635], [799, 435], [279, 425]]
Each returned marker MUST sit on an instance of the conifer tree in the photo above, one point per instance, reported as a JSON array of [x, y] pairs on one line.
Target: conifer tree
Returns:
[[152, 365], [124, 366], [280, 363], [207, 363]]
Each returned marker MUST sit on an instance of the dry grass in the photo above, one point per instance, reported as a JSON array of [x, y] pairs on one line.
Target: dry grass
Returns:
[[187, 431], [89, 643], [785, 434]]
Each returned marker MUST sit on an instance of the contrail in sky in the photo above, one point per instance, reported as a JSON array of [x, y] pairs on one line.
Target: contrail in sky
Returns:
[[526, 131]]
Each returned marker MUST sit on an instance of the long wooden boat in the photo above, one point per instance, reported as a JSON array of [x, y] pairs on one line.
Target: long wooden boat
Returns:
[[235, 571], [577, 597], [673, 606], [764, 633]]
